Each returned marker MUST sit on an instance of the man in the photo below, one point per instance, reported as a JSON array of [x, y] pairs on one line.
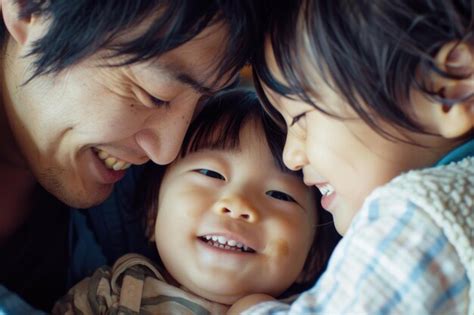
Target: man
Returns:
[[90, 89]]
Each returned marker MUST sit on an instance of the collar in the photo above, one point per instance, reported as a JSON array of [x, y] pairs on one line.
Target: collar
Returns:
[[464, 150]]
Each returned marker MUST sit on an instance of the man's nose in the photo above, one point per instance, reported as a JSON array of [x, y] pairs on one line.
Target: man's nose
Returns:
[[294, 154], [162, 136], [237, 207]]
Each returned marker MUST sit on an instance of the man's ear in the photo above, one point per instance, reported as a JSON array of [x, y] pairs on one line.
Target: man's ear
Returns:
[[17, 26], [453, 119]]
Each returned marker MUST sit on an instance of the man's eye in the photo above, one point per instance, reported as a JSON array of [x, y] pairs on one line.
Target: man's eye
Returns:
[[280, 195], [158, 102], [210, 173]]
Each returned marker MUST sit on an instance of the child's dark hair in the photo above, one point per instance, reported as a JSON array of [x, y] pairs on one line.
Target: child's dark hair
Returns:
[[371, 52], [218, 126]]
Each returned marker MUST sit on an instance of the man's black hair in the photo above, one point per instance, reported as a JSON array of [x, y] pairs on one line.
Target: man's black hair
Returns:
[[79, 28], [218, 127], [368, 51]]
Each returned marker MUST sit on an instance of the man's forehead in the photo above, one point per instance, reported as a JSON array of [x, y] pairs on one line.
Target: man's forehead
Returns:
[[198, 63], [202, 83]]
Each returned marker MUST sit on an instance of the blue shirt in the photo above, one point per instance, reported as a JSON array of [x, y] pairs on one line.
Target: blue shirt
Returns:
[[100, 235]]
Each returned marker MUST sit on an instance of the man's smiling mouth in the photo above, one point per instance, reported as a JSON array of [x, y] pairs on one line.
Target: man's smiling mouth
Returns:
[[110, 161], [222, 242]]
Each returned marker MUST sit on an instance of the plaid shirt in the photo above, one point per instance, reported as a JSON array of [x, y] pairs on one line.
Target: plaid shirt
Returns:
[[398, 257]]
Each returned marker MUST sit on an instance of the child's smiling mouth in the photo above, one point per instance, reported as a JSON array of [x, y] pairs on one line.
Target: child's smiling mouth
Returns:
[[222, 242]]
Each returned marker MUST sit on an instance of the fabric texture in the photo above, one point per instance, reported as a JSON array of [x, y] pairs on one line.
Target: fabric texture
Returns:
[[132, 286], [410, 250]]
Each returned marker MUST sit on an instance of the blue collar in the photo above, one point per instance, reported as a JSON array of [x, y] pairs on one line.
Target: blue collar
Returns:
[[459, 153]]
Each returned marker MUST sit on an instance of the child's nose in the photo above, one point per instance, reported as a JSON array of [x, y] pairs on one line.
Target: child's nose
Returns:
[[238, 208], [294, 155]]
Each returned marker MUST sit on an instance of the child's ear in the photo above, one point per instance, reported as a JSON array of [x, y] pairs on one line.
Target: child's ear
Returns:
[[150, 225], [457, 60], [18, 27], [303, 277], [312, 266]]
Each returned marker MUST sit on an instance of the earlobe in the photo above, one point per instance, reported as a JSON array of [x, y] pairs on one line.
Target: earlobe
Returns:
[[150, 226], [456, 121], [16, 26]]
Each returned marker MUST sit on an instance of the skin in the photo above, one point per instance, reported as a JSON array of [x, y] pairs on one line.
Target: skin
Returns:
[[353, 158], [240, 205], [59, 121], [347, 153]]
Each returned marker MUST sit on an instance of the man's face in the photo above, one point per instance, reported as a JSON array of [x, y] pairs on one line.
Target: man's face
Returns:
[[79, 130], [231, 223]]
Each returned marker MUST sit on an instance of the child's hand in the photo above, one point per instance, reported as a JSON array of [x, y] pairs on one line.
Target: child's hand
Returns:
[[247, 302]]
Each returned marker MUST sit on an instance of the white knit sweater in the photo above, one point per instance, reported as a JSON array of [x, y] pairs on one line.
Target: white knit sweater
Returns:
[[452, 210], [409, 250]]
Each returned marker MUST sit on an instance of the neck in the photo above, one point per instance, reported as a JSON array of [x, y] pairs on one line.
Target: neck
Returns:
[[16, 180]]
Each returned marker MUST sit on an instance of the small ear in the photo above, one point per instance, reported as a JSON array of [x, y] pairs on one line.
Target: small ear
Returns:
[[303, 277], [17, 26], [312, 266], [455, 120], [150, 225], [454, 117]]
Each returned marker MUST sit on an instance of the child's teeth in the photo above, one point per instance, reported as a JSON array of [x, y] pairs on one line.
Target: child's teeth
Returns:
[[222, 239], [326, 190], [222, 242]]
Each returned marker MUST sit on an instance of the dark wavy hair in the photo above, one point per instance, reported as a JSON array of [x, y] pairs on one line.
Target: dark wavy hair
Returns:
[[79, 28], [218, 126], [368, 51]]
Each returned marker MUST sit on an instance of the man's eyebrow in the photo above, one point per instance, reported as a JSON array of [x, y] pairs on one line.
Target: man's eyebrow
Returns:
[[189, 80], [193, 83]]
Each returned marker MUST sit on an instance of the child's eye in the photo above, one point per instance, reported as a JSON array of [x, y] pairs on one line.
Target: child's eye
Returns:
[[297, 118], [280, 195], [210, 173]]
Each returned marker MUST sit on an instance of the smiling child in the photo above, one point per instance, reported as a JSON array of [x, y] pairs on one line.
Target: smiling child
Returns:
[[228, 220]]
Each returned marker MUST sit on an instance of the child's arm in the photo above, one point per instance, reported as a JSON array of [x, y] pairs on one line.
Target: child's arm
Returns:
[[248, 301]]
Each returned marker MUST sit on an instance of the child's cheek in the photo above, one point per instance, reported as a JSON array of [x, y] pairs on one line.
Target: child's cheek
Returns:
[[278, 248]]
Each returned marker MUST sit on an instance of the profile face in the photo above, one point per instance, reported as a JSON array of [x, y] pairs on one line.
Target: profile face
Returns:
[[343, 156], [80, 129], [231, 223]]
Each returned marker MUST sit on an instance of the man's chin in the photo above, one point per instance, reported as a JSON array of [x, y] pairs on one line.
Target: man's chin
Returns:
[[84, 199]]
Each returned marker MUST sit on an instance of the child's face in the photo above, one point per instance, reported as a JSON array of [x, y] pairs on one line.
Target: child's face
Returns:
[[243, 199], [345, 159]]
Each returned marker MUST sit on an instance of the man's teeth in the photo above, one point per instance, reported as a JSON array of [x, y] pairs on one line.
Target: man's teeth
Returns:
[[222, 242], [112, 162], [326, 189]]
